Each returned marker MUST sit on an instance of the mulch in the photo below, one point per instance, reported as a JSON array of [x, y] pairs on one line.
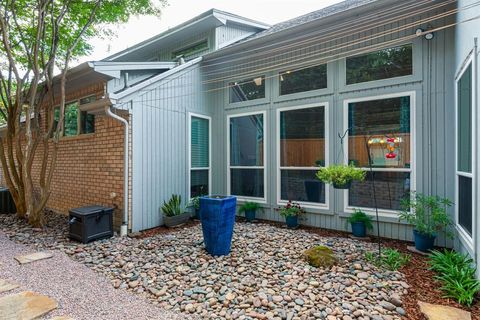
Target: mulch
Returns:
[[422, 284]]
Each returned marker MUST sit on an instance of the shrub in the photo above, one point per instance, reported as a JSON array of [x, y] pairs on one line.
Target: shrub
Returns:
[[456, 274], [173, 207], [249, 206], [390, 259], [428, 214], [360, 216], [195, 203], [291, 209], [340, 174]]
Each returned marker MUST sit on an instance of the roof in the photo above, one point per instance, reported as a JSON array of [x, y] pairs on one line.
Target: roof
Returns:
[[204, 21]]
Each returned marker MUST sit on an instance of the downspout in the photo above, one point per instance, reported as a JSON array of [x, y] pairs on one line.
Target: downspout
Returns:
[[109, 113], [475, 176]]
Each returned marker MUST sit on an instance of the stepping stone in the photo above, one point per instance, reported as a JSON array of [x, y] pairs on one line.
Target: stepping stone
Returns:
[[33, 257], [25, 305], [439, 312], [414, 250], [7, 286]]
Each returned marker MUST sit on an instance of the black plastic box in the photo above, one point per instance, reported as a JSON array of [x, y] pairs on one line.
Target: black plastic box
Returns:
[[91, 223], [7, 205]]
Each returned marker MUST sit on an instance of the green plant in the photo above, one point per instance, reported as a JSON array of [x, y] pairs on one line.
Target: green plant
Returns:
[[249, 206], [195, 203], [428, 214], [173, 207], [457, 275], [291, 209], [360, 216], [340, 174], [390, 258]]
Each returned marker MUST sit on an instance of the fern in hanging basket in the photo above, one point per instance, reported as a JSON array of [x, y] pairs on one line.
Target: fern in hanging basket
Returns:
[[340, 175]]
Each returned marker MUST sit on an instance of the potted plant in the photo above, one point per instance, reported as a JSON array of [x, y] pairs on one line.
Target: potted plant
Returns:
[[428, 215], [360, 222], [291, 211], [173, 213], [341, 176], [250, 209], [195, 204]]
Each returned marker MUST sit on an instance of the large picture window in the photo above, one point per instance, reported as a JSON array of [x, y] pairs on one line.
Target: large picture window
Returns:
[[379, 65], [464, 150], [380, 131], [302, 149], [246, 90], [199, 155], [308, 79], [247, 156]]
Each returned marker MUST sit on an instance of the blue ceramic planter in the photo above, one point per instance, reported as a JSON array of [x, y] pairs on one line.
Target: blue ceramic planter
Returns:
[[423, 242], [359, 229], [250, 215], [292, 222], [217, 214]]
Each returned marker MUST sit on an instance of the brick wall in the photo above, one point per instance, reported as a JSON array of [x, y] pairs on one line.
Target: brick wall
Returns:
[[89, 167]]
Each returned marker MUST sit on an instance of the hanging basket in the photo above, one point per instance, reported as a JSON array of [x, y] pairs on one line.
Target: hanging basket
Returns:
[[343, 186]]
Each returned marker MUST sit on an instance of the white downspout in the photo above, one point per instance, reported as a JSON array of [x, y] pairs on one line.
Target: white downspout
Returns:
[[109, 113]]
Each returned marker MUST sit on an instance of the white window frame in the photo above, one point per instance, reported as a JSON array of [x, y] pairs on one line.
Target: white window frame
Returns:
[[189, 137], [465, 237], [305, 204], [413, 143], [265, 158]]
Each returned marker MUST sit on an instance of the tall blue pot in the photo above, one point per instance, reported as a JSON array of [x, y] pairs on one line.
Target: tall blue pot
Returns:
[[217, 214], [359, 229], [292, 222], [423, 242]]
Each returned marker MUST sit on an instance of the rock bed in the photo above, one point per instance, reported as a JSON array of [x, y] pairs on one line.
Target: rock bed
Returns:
[[264, 277]]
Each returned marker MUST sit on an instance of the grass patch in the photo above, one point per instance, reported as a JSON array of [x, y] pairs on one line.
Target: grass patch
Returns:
[[390, 259]]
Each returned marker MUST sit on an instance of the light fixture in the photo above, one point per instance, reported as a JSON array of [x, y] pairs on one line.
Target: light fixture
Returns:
[[420, 32], [258, 81], [429, 36]]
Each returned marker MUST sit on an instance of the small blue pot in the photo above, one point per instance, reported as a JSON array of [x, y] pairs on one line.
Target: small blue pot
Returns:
[[292, 222], [359, 229], [197, 214], [423, 242], [250, 215]]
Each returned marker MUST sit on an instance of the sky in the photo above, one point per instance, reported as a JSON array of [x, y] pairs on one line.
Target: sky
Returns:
[[178, 11]]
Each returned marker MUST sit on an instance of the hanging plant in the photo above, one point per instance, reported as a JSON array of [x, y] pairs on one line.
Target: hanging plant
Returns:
[[341, 176]]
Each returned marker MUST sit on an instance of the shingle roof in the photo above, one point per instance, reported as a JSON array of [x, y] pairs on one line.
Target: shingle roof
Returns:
[[309, 17]]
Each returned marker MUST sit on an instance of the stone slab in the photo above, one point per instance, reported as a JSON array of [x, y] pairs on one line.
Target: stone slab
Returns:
[[414, 250], [7, 285], [25, 305], [33, 257], [439, 312], [62, 318], [359, 238]]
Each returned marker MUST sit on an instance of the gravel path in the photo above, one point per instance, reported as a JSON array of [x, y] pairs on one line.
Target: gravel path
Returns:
[[80, 292]]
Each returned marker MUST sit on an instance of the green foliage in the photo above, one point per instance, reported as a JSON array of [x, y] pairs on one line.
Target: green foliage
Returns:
[[390, 259], [195, 202], [360, 216], [173, 207], [428, 214], [249, 206], [320, 257], [340, 174], [291, 209], [457, 275]]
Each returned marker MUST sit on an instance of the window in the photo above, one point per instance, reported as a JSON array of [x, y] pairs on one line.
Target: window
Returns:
[[380, 131], [247, 90], [302, 148], [464, 150], [192, 50], [75, 122], [199, 155], [246, 156], [303, 80], [378, 65]]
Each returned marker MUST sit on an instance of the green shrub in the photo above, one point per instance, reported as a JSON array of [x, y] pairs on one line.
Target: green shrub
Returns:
[[340, 174], [428, 214], [249, 206], [173, 207], [195, 203], [360, 216], [390, 259], [457, 275]]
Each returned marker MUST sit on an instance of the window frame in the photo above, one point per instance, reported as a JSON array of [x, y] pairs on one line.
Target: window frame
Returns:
[[413, 142], [79, 117], [265, 158], [464, 236], [287, 96], [266, 79], [189, 151], [305, 204]]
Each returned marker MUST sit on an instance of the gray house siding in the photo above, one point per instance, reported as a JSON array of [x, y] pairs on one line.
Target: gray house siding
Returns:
[[432, 109]]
